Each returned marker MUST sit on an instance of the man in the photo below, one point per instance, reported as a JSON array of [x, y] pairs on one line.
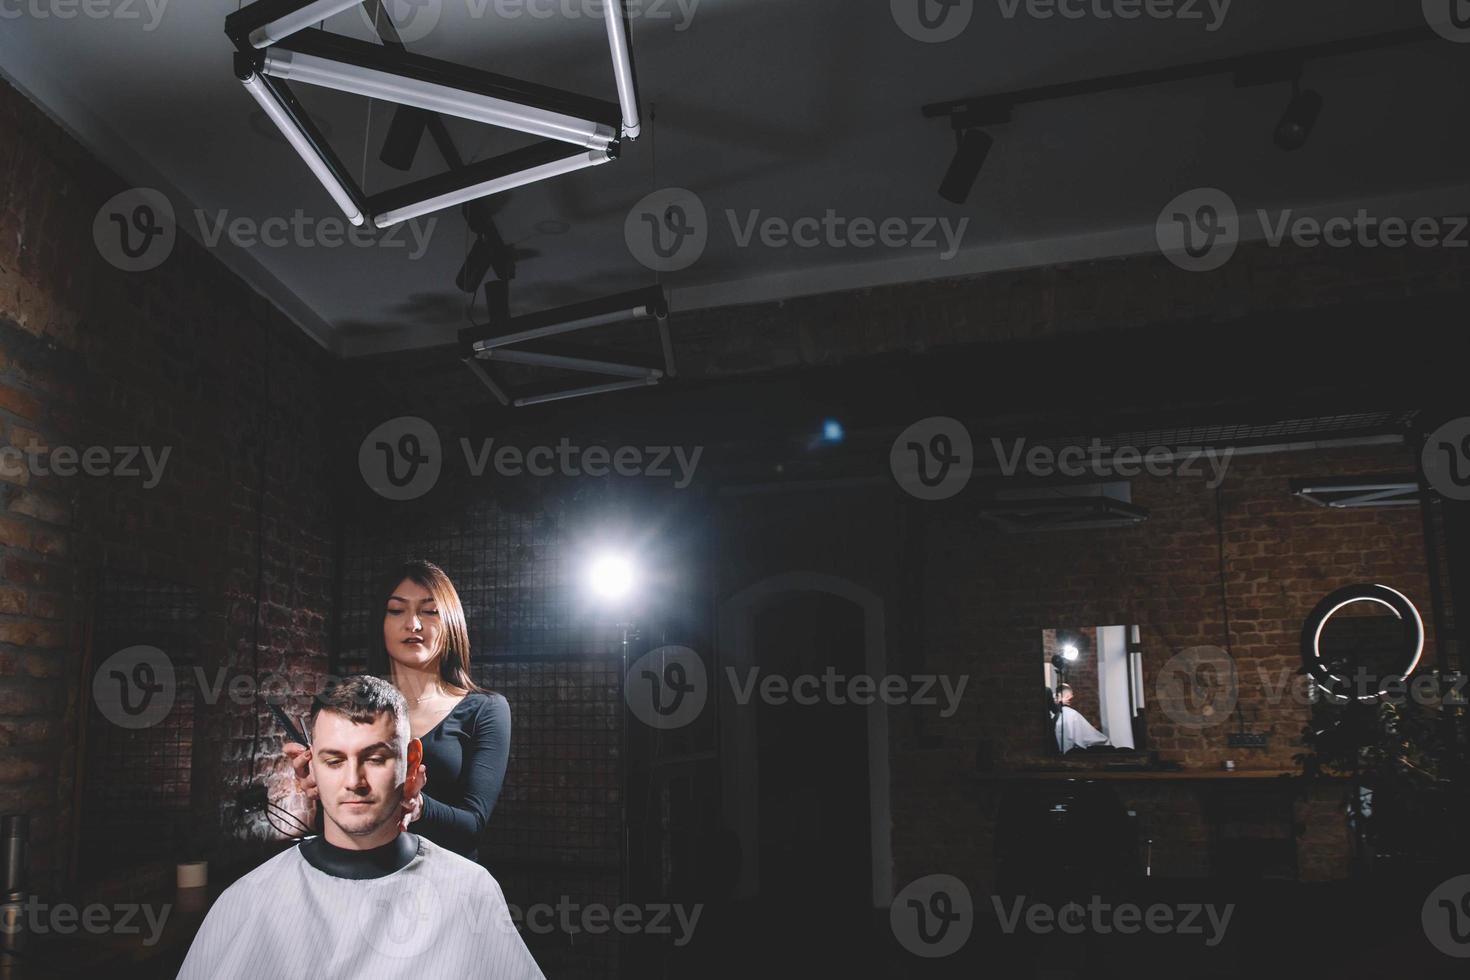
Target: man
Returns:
[[366, 899], [1073, 730]]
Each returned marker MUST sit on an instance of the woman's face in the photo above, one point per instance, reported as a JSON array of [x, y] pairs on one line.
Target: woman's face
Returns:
[[412, 631]]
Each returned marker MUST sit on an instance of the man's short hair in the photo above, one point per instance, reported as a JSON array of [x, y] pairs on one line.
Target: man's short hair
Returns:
[[362, 700], [1064, 687]]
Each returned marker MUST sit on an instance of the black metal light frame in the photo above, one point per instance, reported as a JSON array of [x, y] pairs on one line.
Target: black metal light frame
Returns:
[[505, 338], [262, 57]]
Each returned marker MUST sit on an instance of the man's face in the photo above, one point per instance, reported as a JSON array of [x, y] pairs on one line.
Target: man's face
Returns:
[[1066, 696], [359, 774]]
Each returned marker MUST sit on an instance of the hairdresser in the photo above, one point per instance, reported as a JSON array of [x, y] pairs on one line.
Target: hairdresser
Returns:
[[465, 731]]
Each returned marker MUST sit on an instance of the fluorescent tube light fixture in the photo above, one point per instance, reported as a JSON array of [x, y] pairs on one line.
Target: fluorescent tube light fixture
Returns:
[[277, 45]]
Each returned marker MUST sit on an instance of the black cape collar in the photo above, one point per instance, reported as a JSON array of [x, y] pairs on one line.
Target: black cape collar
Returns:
[[379, 862]]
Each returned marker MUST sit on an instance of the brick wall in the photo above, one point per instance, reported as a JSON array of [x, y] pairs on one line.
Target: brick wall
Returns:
[[183, 357]]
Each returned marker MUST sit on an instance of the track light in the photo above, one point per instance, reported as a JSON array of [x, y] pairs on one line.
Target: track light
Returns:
[[1299, 119], [405, 132], [970, 153], [477, 265]]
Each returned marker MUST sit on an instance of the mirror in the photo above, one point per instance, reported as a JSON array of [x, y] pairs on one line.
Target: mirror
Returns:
[[1094, 689], [1360, 639]]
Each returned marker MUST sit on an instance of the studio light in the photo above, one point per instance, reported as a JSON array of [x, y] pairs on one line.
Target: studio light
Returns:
[[1069, 652], [1299, 119], [637, 305], [611, 577], [969, 158]]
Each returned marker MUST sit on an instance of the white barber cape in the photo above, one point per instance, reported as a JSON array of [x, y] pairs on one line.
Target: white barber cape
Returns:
[[1075, 732], [440, 915]]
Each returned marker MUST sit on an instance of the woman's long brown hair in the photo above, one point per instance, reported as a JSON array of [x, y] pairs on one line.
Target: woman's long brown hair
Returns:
[[454, 653]]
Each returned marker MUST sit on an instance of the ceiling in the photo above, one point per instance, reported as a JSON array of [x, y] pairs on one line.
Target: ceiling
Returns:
[[762, 108]]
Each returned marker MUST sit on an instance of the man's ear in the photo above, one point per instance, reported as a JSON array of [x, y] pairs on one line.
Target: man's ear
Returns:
[[412, 783]]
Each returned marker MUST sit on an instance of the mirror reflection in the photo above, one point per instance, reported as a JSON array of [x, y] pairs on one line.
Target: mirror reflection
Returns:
[[1094, 688]]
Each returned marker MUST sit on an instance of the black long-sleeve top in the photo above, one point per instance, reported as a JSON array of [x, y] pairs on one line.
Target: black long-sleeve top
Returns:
[[466, 756]]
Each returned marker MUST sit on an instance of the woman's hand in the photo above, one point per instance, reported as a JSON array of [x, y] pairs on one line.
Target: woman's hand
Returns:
[[413, 807], [300, 758]]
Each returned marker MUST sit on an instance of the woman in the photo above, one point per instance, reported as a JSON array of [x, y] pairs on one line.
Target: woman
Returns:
[[465, 731]]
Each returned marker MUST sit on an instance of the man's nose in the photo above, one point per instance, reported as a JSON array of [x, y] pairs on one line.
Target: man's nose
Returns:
[[356, 776]]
